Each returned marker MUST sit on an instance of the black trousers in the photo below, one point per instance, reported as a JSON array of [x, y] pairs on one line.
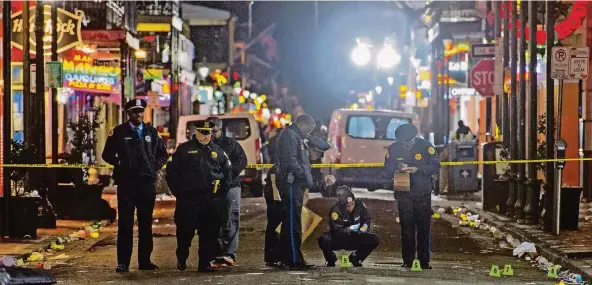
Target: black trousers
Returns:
[[292, 196], [275, 216], [135, 194], [362, 243], [415, 216], [207, 221]]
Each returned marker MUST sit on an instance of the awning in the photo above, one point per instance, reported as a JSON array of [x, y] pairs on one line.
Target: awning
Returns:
[[197, 15]]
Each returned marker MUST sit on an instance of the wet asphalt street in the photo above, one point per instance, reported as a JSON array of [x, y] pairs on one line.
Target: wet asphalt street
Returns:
[[459, 255]]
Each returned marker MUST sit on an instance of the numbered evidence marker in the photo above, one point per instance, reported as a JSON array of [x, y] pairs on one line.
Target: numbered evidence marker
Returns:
[[416, 267], [508, 271], [552, 273], [495, 272], [345, 261]]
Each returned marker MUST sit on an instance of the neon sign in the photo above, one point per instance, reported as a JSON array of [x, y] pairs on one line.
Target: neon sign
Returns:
[[83, 73]]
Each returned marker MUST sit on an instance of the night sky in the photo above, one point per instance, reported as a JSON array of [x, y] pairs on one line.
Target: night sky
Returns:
[[316, 63]]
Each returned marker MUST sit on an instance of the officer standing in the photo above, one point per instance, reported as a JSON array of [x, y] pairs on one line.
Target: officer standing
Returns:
[[418, 158], [231, 220], [293, 177], [349, 228], [199, 176], [137, 152]]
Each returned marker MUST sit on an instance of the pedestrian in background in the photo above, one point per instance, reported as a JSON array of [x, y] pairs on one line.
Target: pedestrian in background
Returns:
[[292, 178], [137, 152], [231, 216], [199, 175], [418, 158]]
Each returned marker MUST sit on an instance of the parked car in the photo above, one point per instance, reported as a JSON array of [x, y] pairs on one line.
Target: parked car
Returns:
[[241, 127], [362, 136]]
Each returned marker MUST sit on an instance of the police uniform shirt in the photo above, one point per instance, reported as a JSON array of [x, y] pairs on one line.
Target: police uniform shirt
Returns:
[[340, 220]]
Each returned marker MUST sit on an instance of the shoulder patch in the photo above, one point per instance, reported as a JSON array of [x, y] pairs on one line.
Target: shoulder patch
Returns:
[[111, 132], [431, 150], [334, 216], [214, 155], [418, 156]]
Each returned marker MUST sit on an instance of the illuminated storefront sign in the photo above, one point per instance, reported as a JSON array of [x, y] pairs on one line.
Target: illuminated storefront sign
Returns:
[[83, 73], [68, 29], [462, 92], [458, 66]]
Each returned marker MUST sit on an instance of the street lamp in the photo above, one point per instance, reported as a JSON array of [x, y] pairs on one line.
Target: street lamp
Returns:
[[388, 57], [361, 54]]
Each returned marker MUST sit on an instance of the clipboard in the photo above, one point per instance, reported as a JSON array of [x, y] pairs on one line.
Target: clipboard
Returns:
[[402, 181]]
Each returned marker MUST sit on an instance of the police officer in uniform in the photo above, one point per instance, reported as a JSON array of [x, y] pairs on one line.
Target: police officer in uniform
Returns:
[[292, 178], [231, 220], [275, 212], [349, 228], [137, 152], [199, 175], [418, 158]]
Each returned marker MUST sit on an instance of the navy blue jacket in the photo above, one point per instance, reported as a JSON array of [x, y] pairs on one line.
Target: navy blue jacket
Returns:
[[293, 157], [237, 156]]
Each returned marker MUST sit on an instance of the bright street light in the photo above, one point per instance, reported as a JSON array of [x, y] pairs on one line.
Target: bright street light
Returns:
[[390, 80], [388, 57], [361, 55], [378, 90]]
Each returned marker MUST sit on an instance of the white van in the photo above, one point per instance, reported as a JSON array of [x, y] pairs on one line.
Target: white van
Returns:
[[241, 127], [362, 136]]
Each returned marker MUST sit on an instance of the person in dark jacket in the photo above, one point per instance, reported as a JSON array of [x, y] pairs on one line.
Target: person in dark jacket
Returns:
[[349, 228], [417, 158], [275, 212], [292, 178], [462, 130], [231, 221], [199, 176], [137, 152]]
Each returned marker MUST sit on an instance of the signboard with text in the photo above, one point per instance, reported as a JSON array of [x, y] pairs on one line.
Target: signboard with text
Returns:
[[55, 77], [83, 73], [570, 63], [482, 50], [482, 77]]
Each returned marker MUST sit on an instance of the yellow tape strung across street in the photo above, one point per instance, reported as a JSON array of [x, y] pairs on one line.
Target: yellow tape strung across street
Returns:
[[320, 165]]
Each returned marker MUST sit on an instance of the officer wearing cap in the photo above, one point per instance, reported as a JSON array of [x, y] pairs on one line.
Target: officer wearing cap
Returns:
[[317, 148], [275, 212], [137, 152], [349, 228], [418, 158], [199, 175]]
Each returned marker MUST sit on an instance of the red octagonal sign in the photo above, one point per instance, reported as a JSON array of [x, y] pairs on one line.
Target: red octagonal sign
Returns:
[[482, 77]]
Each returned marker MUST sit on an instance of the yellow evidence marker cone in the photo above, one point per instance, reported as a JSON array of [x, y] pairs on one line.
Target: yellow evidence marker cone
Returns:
[[552, 273], [345, 261], [508, 271], [416, 267], [494, 271]]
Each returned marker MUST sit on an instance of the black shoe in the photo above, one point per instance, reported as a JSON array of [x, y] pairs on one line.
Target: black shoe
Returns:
[[301, 266], [331, 264], [274, 264], [122, 269], [206, 269], [148, 266], [354, 260], [181, 266], [404, 265], [426, 266]]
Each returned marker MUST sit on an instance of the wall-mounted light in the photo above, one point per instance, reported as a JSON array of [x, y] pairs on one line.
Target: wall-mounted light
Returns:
[[140, 54]]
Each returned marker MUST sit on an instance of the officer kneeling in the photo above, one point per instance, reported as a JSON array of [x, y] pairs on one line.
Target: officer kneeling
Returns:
[[349, 225], [198, 174]]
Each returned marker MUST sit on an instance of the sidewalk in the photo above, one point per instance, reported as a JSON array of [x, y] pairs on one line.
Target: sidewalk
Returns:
[[571, 249]]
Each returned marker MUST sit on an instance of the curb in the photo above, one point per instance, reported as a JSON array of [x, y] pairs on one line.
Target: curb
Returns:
[[554, 256]]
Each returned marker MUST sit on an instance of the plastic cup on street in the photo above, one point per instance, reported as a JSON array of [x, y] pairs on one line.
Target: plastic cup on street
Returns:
[[7, 261]]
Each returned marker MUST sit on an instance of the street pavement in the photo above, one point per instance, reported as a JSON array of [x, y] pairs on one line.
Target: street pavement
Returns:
[[459, 255]]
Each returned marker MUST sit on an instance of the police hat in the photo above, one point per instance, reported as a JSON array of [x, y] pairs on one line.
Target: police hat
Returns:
[[344, 195], [204, 125], [135, 104], [318, 144], [406, 132]]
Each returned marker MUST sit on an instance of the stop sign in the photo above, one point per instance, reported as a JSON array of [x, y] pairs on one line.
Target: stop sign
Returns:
[[482, 77]]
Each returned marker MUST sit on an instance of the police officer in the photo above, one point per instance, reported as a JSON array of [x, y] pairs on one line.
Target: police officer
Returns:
[[418, 158], [293, 177], [349, 228], [199, 175], [137, 152], [275, 213], [231, 220]]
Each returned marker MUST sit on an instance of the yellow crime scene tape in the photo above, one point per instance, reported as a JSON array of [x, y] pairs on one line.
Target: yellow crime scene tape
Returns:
[[319, 165]]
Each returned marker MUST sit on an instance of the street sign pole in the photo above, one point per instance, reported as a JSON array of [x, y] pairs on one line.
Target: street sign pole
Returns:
[[7, 111]]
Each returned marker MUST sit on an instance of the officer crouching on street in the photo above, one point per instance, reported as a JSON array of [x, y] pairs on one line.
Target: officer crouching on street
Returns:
[[137, 152], [199, 176], [349, 226], [275, 212], [418, 158]]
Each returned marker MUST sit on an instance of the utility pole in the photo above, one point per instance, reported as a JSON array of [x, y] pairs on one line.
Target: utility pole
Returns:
[[520, 138], [7, 110], [513, 113], [505, 99], [497, 25], [39, 103], [546, 215], [533, 187], [27, 106]]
